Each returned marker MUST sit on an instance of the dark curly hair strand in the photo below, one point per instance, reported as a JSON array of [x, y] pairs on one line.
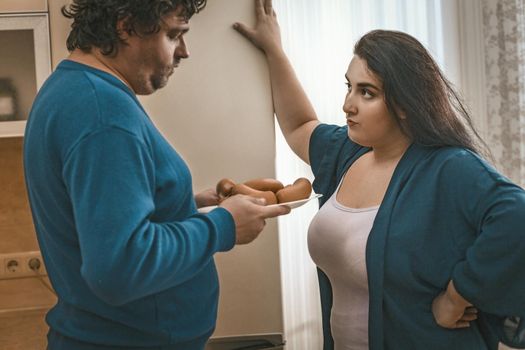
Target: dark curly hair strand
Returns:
[[95, 21]]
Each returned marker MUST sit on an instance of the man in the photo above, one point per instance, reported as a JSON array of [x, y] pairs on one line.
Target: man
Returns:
[[130, 258]]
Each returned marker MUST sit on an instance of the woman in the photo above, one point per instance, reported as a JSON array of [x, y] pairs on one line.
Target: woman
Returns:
[[419, 241]]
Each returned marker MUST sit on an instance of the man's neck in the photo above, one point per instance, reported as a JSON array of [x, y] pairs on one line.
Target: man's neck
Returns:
[[97, 60]]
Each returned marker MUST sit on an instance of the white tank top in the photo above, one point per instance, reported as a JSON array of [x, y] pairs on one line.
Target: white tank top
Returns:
[[337, 239]]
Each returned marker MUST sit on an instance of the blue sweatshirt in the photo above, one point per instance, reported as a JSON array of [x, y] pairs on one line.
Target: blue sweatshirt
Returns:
[[125, 249], [446, 215]]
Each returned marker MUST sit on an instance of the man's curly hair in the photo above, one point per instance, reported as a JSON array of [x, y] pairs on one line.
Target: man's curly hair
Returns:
[[95, 21]]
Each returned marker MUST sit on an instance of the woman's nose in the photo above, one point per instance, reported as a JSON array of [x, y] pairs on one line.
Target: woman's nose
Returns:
[[349, 105]]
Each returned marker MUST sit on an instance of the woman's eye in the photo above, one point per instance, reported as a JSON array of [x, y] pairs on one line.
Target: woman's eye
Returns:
[[348, 86], [366, 93]]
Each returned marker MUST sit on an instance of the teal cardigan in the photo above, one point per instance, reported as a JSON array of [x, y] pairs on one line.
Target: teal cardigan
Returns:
[[447, 214]]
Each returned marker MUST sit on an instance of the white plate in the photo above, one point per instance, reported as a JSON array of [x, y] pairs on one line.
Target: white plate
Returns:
[[297, 204], [293, 205]]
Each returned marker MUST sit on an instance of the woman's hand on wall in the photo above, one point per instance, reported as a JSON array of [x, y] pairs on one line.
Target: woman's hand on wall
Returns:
[[451, 310], [266, 35]]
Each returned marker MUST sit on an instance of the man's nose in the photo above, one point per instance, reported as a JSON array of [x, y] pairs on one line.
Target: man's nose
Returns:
[[182, 50]]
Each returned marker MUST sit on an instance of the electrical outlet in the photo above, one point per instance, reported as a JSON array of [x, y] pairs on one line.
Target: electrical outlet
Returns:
[[21, 265]]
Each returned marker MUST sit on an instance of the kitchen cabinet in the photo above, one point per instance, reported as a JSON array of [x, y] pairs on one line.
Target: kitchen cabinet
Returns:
[[25, 6], [25, 64]]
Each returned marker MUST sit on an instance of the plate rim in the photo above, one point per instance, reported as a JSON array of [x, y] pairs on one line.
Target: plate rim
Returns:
[[299, 201], [209, 208]]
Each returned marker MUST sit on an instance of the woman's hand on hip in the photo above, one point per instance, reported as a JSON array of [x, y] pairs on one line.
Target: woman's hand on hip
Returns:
[[451, 310]]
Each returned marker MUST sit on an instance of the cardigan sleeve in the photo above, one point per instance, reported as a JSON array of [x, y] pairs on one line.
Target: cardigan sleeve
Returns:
[[330, 151], [126, 254], [492, 275], [319, 144]]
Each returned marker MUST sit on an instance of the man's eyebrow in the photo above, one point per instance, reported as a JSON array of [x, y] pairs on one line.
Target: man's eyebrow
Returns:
[[179, 30], [364, 84]]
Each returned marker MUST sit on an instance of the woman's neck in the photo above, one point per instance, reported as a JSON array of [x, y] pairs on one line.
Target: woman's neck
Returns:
[[391, 151]]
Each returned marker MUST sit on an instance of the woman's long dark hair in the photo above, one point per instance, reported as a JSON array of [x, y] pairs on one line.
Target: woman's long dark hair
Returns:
[[414, 86], [95, 21]]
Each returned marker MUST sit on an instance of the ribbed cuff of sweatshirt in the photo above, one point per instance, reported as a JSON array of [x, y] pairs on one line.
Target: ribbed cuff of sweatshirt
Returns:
[[226, 228]]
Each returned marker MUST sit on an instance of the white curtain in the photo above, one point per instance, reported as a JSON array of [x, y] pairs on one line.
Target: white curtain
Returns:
[[318, 36], [504, 43]]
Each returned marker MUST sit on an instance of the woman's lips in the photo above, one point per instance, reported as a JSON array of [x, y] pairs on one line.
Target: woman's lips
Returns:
[[351, 122]]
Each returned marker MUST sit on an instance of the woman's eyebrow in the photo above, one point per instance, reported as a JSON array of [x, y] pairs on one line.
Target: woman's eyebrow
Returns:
[[364, 84]]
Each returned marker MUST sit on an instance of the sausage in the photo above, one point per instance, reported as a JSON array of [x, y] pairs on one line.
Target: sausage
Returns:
[[243, 189], [301, 189], [224, 188], [265, 184]]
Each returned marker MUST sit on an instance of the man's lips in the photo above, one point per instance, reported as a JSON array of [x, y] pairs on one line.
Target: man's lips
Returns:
[[175, 65], [172, 69]]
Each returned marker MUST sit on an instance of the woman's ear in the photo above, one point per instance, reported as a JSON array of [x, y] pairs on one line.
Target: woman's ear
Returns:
[[401, 114]]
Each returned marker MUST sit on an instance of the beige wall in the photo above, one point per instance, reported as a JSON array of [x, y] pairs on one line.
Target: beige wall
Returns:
[[217, 112], [59, 29]]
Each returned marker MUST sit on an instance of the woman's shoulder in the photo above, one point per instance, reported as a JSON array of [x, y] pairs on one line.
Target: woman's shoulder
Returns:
[[330, 150], [461, 157], [457, 163], [330, 135], [331, 143], [328, 131]]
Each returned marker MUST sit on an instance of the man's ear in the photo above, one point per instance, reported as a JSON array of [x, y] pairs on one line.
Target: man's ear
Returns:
[[123, 29]]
